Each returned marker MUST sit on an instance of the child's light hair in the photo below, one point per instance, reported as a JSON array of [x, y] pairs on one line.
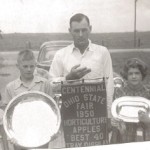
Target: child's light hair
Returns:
[[25, 55]]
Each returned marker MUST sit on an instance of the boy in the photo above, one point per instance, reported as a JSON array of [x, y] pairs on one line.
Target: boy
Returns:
[[28, 81]]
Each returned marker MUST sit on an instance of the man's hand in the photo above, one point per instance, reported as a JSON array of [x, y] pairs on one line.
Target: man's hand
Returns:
[[77, 72]]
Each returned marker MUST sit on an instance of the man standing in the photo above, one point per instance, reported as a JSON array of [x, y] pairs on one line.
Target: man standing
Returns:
[[83, 59]]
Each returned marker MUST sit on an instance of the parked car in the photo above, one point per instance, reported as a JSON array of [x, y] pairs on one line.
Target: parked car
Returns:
[[47, 52]]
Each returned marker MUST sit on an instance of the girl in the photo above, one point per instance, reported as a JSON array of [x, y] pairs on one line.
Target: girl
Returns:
[[134, 72]]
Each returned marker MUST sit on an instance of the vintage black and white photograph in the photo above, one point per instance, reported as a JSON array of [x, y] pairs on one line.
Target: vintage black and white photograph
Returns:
[[74, 74]]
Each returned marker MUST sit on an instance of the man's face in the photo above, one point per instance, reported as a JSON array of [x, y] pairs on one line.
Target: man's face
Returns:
[[26, 69], [80, 32]]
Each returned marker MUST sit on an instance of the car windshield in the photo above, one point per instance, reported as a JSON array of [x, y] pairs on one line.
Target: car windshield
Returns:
[[49, 55], [49, 49]]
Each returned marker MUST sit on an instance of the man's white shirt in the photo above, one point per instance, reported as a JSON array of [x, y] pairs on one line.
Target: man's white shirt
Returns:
[[95, 57]]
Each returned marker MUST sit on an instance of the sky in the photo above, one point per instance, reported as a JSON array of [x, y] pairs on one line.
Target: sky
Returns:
[[51, 16]]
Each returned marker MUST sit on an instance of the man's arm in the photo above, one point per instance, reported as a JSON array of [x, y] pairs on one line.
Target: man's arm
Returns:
[[77, 72], [48, 89], [108, 74], [56, 69]]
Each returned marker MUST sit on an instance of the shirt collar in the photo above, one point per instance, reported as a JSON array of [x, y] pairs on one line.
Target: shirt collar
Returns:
[[138, 87], [36, 79], [89, 48]]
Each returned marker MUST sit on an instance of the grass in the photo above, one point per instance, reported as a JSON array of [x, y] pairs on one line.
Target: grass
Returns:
[[18, 41]]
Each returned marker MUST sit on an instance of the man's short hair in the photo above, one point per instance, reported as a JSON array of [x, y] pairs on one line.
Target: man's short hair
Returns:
[[78, 18], [25, 55]]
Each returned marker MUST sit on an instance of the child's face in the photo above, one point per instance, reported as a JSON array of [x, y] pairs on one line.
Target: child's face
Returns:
[[134, 76], [27, 68]]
